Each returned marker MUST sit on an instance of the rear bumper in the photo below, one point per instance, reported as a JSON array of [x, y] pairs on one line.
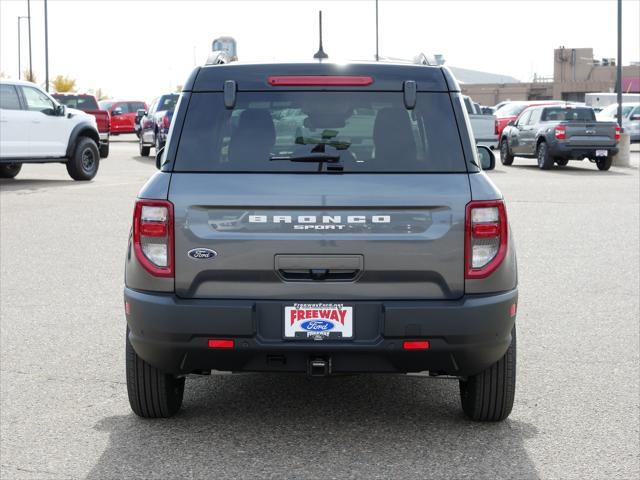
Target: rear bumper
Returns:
[[465, 335], [579, 152]]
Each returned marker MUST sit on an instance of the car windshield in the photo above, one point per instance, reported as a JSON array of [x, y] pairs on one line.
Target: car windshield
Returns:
[[80, 102], [368, 132], [564, 114], [168, 102], [510, 110]]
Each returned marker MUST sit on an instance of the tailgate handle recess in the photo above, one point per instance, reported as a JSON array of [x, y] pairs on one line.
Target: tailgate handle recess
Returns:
[[305, 268]]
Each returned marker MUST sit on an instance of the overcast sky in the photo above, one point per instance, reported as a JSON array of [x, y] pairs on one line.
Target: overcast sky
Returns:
[[139, 49]]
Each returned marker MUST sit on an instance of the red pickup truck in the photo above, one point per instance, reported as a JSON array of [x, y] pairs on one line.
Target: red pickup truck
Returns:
[[89, 104]]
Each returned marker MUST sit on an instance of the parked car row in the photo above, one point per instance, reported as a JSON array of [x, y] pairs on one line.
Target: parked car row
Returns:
[[153, 125], [630, 118]]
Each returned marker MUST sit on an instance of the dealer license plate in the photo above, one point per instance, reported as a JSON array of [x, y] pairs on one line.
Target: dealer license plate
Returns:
[[601, 153], [318, 321]]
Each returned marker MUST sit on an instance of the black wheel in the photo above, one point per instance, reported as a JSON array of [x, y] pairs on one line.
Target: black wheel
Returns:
[[144, 150], [506, 158], [158, 144], [562, 162], [84, 163], [104, 150], [10, 170], [152, 393], [604, 163], [545, 161], [488, 396]]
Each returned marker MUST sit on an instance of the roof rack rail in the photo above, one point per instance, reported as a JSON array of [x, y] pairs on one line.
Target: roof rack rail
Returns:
[[218, 57]]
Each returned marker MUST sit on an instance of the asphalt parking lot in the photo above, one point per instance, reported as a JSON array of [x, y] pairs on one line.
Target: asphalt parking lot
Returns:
[[64, 408]]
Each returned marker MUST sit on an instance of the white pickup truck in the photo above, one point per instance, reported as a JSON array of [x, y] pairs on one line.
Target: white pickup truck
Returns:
[[483, 126]]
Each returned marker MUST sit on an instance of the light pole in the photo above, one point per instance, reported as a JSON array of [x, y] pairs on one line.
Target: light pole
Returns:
[[19, 54], [619, 68], [46, 48], [29, 23]]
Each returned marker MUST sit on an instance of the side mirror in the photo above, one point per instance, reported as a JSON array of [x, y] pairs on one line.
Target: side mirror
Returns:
[[116, 112], [141, 112], [159, 155], [635, 117], [512, 123], [487, 158], [60, 111]]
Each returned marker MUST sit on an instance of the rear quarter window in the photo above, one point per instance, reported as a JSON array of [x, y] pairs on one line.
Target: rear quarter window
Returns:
[[370, 132]]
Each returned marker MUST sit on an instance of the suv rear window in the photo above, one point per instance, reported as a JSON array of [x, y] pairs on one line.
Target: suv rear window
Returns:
[[563, 114], [79, 102], [369, 131]]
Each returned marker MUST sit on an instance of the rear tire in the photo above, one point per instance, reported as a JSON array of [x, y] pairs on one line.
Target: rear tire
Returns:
[[506, 158], [545, 161], [562, 162], [10, 170], [488, 396], [152, 393], [158, 144], [144, 150], [104, 151], [604, 164], [83, 164]]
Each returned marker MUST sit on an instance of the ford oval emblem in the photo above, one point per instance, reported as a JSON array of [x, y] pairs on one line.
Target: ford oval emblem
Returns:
[[202, 253], [317, 325]]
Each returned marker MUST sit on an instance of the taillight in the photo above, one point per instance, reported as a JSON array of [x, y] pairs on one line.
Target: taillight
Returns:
[[617, 134], [166, 122], [496, 128], [485, 237], [153, 236], [561, 132]]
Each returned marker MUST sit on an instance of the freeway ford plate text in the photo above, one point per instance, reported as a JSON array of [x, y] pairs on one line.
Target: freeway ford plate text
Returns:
[[318, 321]]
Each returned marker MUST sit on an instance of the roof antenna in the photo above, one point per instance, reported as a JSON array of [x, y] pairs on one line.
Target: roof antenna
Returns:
[[320, 54]]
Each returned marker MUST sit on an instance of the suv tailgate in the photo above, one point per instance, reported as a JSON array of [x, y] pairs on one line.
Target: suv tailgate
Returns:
[[359, 236]]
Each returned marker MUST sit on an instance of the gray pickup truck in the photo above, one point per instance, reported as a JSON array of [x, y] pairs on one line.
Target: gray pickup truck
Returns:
[[557, 134], [321, 219]]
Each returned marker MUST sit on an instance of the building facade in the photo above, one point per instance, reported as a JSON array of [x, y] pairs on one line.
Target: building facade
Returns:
[[575, 73]]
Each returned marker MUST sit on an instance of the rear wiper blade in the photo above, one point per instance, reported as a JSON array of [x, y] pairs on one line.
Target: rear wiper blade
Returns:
[[321, 158], [312, 157]]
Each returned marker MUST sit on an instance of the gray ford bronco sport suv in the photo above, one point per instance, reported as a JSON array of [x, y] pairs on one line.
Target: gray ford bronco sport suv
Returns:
[[321, 219]]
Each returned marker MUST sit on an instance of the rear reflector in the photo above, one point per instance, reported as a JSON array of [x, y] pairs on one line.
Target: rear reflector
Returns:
[[320, 80], [415, 345], [127, 308], [217, 343], [513, 310]]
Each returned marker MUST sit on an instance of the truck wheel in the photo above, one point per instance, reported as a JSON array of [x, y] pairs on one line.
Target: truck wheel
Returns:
[[10, 170], [144, 151], [488, 396], [562, 162], [152, 393], [545, 161], [84, 163], [104, 150], [604, 164], [506, 158]]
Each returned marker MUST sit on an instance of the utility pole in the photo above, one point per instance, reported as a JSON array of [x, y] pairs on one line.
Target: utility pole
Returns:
[[619, 69], [19, 49], [377, 56], [29, 23], [46, 47], [19, 72]]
